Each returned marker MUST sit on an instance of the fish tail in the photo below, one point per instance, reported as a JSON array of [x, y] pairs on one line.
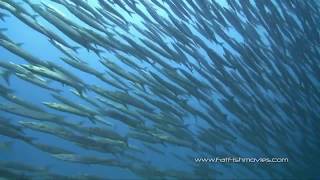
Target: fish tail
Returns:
[[3, 16], [92, 119]]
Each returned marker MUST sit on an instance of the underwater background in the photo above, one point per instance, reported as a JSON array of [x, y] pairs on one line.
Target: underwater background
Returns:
[[174, 80]]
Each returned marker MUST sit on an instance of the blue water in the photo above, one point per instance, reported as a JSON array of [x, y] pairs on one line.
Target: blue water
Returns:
[[39, 46]]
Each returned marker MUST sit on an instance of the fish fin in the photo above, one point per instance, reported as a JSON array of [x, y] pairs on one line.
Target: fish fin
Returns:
[[127, 91], [130, 13], [81, 92], [75, 48], [6, 76], [102, 74], [29, 140], [35, 16], [189, 67], [126, 140], [143, 87], [92, 119], [219, 43], [19, 44], [98, 52]]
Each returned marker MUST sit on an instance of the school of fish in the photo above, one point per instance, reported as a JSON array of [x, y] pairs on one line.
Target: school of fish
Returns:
[[213, 80]]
